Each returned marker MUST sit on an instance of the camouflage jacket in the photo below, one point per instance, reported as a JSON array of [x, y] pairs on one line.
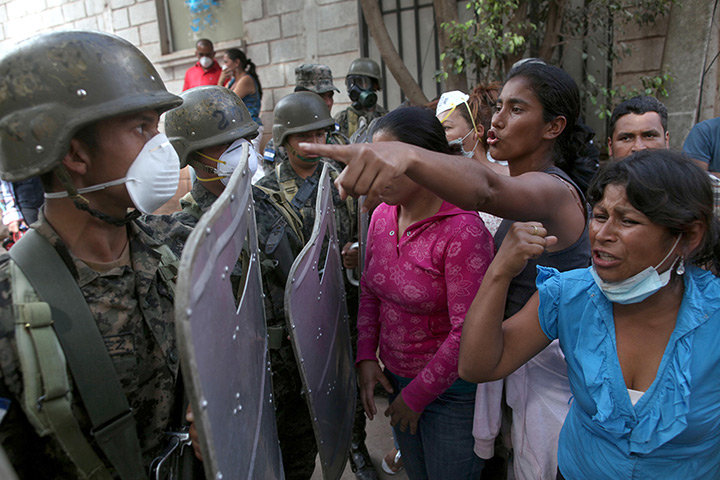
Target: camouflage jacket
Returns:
[[194, 204], [348, 119], [268, 216], [133, 309]]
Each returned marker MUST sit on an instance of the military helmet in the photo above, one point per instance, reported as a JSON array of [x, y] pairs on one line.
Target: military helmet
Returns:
[[54, 84], [314, 77], [299, 112], [210, 115], [365, 66]]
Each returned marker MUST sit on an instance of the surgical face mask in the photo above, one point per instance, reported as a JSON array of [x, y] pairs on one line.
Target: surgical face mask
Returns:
[[151, 180], [206, 62], [459, 141], [229, 161], [638, 287]]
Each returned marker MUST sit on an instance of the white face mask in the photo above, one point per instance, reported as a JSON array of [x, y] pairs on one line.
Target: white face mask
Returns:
[[459, 141], [206, 62], [229, 161], [638, 287], [151, 180]]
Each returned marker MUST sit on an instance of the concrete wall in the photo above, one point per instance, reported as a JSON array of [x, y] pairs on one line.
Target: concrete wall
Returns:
[[682, 43]]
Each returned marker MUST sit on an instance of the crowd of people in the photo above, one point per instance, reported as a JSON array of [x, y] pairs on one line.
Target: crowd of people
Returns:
[[520, 306]]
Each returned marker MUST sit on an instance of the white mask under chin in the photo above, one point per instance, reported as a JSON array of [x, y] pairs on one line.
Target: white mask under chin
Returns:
[[229, 161], [151, 180]]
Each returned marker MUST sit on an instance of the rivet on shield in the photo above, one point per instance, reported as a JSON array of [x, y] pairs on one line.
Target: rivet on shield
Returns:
[[39, 149], [219, 476], [237, 395], [234, 336], [232, 121], [239, 407], [188, 312], [227, 269], [222, 277], [152, 78], [208, 230], [293, 280], [192, 134], [232, 197], [203, 404], [81, 93]]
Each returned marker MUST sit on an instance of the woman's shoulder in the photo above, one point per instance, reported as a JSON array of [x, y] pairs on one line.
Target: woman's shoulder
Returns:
[[704, 287]]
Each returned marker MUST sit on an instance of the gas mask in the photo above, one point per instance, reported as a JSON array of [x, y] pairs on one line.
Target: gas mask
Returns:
[[360, 91]]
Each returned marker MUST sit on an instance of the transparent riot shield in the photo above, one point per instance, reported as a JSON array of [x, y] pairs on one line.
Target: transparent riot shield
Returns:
[[318, 321], [223, 348]]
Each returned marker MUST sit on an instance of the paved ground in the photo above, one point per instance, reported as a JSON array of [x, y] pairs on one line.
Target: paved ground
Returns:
[[379, 442]]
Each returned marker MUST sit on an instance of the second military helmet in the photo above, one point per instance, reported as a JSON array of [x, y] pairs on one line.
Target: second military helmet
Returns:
[[299, 112], [210, 115], [366, 67], [54, 84]]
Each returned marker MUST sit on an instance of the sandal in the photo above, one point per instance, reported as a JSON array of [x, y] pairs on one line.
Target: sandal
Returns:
[[392, 463]]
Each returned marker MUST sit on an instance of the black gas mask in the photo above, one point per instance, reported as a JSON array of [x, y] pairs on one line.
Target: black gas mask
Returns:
[[360, 91]]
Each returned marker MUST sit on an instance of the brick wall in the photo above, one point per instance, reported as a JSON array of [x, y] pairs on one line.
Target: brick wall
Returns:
[[279, 35]]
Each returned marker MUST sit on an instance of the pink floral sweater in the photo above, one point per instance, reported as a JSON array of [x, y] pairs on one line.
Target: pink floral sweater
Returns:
[[416, 291]]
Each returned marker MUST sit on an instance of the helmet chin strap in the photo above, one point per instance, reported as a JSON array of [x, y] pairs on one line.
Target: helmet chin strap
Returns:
[[82, 203], [301, 157]]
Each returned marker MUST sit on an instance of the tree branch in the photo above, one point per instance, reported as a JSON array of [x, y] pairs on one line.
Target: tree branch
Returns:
[[373, 17]]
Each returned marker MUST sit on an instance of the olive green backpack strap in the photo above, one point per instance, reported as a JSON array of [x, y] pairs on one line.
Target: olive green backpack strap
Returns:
[[352, 118], [169, 266], [87, 357], [47, 400], [282, 205]]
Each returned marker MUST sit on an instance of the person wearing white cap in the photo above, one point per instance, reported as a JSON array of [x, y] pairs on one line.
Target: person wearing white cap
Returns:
[[466, 120]]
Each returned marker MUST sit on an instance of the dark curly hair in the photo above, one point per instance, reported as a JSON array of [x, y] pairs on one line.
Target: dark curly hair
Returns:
[[671, 190]]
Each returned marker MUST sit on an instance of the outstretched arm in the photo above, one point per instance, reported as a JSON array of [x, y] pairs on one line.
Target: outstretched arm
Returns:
[[461, 181], [491, 349]]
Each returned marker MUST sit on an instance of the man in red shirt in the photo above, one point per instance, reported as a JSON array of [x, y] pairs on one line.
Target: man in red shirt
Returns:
[[206, 71]]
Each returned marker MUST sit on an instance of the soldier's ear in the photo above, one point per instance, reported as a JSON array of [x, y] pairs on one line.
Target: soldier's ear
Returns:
[[77, 160]]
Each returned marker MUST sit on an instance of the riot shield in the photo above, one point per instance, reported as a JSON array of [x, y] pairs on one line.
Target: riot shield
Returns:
[[223, 348], [317, 319]]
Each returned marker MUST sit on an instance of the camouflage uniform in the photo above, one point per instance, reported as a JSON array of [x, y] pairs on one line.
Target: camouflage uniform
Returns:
[[194, 204], [349, 119], [133, 309], [297, 440]]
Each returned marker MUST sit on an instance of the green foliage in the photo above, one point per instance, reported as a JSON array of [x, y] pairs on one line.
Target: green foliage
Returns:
[[503, 31]]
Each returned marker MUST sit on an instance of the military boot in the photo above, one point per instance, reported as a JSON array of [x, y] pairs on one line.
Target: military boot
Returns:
[[360, 462]]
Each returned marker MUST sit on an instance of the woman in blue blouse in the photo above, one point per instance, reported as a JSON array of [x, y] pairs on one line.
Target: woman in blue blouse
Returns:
[[640, 328]]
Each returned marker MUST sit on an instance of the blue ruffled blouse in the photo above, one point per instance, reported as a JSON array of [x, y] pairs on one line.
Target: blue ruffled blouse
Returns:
[[674, 429]]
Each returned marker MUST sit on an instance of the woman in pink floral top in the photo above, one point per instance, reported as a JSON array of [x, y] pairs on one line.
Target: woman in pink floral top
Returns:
[[424, 264]]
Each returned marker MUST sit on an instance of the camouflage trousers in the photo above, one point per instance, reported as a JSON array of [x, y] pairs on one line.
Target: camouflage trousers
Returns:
[[295, 430]]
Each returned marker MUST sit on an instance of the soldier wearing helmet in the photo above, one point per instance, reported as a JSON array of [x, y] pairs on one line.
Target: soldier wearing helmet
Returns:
[[91, 379], [362, 81], [208, 132], [317, 78], [292, 185]]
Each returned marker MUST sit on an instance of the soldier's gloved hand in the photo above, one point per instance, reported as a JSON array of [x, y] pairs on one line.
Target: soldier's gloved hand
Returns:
[[350, 255], [370, 373], [193, 433]]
